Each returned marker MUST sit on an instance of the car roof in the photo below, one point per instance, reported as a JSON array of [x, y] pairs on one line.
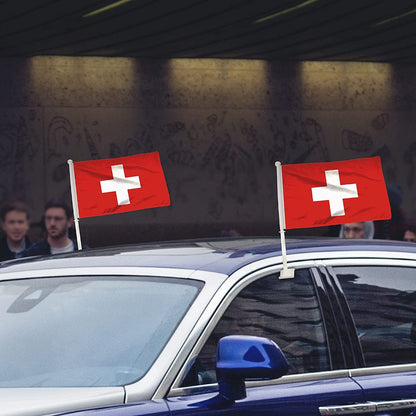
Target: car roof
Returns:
[[223, 255]]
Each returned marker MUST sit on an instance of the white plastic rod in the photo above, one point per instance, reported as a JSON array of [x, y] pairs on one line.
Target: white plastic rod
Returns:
[[285, 272], [74, 202]]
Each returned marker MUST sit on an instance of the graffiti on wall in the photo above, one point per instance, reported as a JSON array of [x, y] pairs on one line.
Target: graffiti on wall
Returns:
[[219, 165], [20, 148], [410, 161], [219, 155]]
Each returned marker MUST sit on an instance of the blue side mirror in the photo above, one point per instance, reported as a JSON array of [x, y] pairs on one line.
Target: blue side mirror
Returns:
[[241, 357]]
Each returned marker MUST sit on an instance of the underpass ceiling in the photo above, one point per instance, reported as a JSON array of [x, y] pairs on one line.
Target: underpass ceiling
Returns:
[[285, 30]]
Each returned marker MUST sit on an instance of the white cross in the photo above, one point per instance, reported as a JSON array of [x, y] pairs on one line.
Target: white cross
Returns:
[[334, 192], [120, 184]]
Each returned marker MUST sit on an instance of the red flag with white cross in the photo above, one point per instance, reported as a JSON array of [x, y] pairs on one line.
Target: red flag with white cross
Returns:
[[321, 194], [112, 186]]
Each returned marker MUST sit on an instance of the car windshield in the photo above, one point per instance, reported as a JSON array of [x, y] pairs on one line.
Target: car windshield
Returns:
[[87, 331]]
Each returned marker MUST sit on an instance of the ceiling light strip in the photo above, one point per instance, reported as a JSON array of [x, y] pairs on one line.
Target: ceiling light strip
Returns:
[[285, 11], [106, 8]]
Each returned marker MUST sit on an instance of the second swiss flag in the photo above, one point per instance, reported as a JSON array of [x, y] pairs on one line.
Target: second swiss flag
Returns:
[[319, 194]]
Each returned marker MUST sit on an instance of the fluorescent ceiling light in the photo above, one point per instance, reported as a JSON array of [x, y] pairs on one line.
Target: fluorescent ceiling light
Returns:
[[106, 8], [285, 11], [393, 19]]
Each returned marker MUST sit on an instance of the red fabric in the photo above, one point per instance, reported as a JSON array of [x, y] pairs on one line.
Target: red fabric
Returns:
[[92, 201], [371, 202]]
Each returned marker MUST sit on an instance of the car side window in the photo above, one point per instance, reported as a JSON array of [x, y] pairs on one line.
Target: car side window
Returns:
[[286, 311], [383, 305]]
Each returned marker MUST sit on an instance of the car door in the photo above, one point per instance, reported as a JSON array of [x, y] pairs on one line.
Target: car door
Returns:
[[382, 301], [296, 314]]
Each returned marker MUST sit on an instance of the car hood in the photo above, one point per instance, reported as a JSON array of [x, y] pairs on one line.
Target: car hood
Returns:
[[50, 401]]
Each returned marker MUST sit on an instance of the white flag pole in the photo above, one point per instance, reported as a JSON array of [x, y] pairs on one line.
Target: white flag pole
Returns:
[[285, 273], [74, 202]]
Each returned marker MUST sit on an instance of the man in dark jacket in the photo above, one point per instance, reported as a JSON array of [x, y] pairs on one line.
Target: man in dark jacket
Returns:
[[58, 220], [15, 223]]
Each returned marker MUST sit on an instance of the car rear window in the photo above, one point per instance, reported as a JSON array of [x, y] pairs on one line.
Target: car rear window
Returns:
[[87, 331], [383, 304]]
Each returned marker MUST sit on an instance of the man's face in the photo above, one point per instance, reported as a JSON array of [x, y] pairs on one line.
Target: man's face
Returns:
[[409, 236], [57, 223], [15, 225], [354, 230]]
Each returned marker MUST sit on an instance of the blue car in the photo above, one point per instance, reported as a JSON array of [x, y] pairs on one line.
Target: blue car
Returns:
[[211, 328]]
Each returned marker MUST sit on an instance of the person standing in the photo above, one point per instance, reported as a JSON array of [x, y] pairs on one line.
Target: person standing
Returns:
[[57, 220], [410, 233], [357, 230], [15, 222]]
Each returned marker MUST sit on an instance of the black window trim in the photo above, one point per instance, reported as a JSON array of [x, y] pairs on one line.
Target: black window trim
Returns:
[[330, 312], [347, 321]]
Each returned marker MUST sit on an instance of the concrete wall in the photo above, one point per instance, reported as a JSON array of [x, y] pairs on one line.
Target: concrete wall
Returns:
[[219, 126]]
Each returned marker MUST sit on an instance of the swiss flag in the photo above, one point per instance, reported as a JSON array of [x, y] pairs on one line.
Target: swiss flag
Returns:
[[112, 186], [319, 194]]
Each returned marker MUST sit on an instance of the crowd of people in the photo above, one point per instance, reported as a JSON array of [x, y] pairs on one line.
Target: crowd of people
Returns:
[[57, 221], [366, 230]]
